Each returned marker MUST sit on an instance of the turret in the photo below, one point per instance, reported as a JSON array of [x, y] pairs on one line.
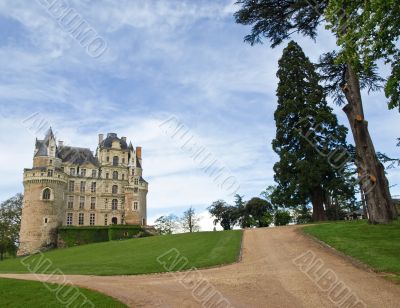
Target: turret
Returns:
[[43, 210]]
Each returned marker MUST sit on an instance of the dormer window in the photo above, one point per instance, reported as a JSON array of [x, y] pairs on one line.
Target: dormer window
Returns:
[[83, 172], [50, 172], [107, 159], [72, 171]]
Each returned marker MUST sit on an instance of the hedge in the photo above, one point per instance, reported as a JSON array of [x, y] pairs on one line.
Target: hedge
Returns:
[[72, 236]]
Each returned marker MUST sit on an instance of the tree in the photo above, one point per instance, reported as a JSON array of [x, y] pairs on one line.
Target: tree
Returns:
[[166, 224], [190, 221], [282, 218], [306, 132], [224, 214], [259, 211], [355, 24], [10, 222], [241, 215]]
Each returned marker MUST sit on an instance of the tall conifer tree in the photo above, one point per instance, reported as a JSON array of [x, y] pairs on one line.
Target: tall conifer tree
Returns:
[[304, 173]]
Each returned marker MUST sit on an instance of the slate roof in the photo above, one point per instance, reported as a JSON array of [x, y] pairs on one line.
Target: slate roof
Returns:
[[42, 145], [77, 156], [107, 143]]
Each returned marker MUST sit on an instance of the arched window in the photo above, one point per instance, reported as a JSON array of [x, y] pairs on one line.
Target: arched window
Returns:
[[114, 220], [115, 160], [46, 194], [114, 189], [115, 175], [114, 204]]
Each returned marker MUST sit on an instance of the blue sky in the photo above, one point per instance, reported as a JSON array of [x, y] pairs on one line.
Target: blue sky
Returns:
[[169, 58]]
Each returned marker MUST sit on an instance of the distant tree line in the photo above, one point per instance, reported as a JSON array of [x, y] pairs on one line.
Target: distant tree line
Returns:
[[256, 212], [169, 224]]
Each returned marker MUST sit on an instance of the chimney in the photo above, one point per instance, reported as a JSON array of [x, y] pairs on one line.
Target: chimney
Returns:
[[101, 136], [139, 152], [60, 143], [123, 139]]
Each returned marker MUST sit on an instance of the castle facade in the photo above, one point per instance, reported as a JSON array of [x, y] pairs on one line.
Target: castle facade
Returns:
[[71, 186]]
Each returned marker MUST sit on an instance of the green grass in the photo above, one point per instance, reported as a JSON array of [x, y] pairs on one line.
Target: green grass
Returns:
[[375, 245], [137, 256], [21, 293]]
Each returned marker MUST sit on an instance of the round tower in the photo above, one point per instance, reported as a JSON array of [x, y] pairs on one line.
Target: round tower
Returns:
[[43, 204]]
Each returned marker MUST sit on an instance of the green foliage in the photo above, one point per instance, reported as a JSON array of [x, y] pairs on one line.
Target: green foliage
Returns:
[[241, 216], [138, 256], [74, 236], [224, 214], [22, 293], [259, 211], [302, 215], [366, 32], [10, 222], [307, 132], [375, 245], [166, 224], [282, 218]]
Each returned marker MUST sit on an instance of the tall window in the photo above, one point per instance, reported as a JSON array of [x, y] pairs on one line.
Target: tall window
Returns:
[[71, 186], [82, 202], [72, 171], [46, 194], [70, 202], [92, 203], [83, 172], [114, 204], [93, 187], [105, 220], [123, 177], [114, 189], [92, 219], [115, 175], [115, 161], [50, 172], [107, 175], [83, 186], [107, 159], [69, 219], [135, 205], [94, 173], [136, 181], [123, 160], [81, 219]]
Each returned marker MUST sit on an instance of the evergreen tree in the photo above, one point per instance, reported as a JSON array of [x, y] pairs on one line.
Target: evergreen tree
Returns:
[[366, 32], [306, 132]]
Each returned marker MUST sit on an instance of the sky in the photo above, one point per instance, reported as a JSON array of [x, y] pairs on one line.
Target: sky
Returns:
[[149, 62]]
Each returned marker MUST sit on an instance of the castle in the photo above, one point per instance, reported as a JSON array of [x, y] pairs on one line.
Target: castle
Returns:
[[71, 186]]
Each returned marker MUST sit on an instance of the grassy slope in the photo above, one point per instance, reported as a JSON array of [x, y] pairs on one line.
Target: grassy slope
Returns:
[[139, 256], [20, 293], [375, 245]]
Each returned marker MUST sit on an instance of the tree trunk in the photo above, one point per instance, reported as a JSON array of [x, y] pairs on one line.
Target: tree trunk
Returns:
[[317, 200], [370, 170]]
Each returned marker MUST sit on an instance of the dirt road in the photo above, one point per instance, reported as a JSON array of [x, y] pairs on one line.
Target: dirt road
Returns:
[[272, 273]]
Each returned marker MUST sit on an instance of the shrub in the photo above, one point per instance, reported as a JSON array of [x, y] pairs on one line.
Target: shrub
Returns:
[[282, 218]]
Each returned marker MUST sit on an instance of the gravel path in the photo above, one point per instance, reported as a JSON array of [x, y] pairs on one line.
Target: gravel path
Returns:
[[272, 273]]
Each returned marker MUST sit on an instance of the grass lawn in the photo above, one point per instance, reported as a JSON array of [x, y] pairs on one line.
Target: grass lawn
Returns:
[[138, 256], [375, 245], [21, 293]]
